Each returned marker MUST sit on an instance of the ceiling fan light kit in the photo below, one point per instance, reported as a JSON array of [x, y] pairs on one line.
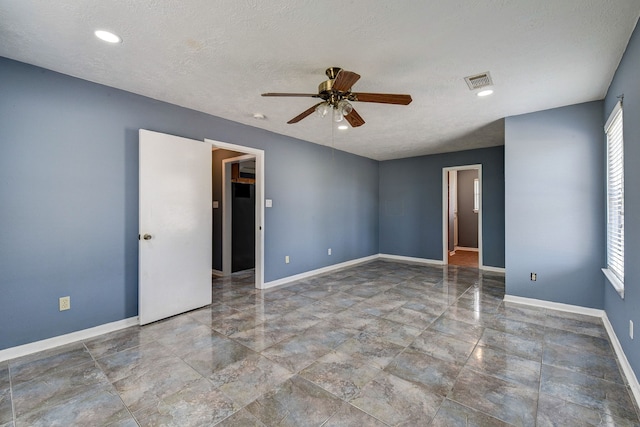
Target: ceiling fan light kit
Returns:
[[340, 109], [344, 107], [337, 97], [323, 109]]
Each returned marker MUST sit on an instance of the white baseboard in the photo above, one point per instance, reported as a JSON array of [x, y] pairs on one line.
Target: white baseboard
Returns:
[[389, 257], [555, 305], [426, 261], [34, 347], [411, 260], [217, 273], [622, 358], [322, 270], [493, 269], [462, 248]]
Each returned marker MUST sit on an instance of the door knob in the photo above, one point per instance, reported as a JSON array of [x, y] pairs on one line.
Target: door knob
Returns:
[[147, 237]]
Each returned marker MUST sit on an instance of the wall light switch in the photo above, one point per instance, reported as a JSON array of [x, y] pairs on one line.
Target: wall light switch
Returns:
[[216, 204], [286, 259], [268, 203]]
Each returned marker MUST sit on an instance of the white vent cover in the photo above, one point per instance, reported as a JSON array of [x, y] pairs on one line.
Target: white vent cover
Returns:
[[479, 80]]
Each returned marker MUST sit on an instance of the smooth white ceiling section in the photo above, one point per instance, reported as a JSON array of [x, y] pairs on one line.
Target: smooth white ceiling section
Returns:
[[219, 56]]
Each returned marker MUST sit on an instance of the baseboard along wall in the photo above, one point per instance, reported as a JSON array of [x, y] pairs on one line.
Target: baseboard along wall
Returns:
[[34, 347], [617, 347]]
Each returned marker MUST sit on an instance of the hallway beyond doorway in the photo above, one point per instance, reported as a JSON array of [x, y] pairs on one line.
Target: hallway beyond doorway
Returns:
[[464, 258]]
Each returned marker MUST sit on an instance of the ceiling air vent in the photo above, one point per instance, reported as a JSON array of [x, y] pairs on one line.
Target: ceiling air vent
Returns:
[[479, 80]]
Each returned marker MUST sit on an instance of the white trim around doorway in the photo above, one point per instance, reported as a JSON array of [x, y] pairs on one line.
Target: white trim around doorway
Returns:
[[260, 196], [445, 211], [226, 210]]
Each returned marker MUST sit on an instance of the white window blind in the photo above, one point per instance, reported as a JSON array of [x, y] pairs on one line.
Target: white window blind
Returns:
[[615, 193]]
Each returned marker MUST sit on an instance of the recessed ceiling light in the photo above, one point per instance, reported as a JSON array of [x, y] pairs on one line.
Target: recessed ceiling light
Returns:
[[485, 92], [259, 116], [343, 127], [107, 36]]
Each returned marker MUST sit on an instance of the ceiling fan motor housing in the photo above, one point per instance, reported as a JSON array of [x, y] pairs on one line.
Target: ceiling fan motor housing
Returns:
[[325, 87]]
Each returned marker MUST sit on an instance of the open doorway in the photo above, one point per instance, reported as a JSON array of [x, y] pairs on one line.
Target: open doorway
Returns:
[[244, 165], [240, 213], [462, 216]]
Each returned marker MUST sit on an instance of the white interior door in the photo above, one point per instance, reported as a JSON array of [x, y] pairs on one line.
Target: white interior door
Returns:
[[175, 226]]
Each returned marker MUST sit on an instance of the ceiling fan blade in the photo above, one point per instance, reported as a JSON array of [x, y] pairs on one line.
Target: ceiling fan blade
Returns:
[[304, 114], [383, 98], [354, 119], [344, 80], [310, 95]]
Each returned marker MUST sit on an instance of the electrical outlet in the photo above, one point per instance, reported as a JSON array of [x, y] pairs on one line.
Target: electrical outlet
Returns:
[[631, 328], [64, 303], [534, 277], [286, 259], [329, 251]]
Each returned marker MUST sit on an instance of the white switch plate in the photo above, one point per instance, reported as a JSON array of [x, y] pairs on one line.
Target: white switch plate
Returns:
[[631, 328], [286, 259], [268, 203], [329, 251], [215, 204]]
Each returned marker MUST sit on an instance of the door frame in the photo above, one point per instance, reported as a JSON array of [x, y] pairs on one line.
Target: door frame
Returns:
[[260, 196], [452, 196], [227, 211], [445, 211]]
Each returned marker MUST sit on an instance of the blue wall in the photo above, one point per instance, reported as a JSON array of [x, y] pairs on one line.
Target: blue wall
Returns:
[[69, 199], [411, 204], [320, 201], [618, 310], [554, 204]]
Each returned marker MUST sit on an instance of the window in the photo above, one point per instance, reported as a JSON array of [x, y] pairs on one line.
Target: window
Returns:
[[615, 200], [476, 195]]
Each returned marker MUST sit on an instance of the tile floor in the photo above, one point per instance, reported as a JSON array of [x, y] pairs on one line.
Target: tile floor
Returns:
[[379, 344]]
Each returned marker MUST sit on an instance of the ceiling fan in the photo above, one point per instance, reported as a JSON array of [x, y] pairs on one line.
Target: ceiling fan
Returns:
[[336, 97]]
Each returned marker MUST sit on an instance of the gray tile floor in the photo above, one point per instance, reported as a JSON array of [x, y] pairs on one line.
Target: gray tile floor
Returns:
[[379, 344]]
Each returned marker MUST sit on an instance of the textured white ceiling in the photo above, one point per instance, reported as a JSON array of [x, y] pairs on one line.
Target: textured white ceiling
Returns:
[[219, 56]]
